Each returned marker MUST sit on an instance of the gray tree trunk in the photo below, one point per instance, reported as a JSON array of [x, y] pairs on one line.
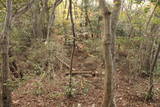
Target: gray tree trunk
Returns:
[[37, 26], [114, 21], [107, 43], [150, 91], [6, 93], [52, 17], [44, 15]]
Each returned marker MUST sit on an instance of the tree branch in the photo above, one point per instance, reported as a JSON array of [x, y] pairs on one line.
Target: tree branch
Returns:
[[24, 9], [2, 3], [51, 18], [150, 18]]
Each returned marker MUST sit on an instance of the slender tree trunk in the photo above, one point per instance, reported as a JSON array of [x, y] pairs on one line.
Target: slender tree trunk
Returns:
[[150, 91], [52, 17], [1, 78], [6, 93], [44, 18], [108, 97], [147, 44], [108, 63], [151, 16], [73, 48], [114, 21]]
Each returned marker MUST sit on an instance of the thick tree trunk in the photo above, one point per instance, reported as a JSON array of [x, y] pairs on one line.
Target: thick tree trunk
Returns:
[[37, 24], [108, 97], [6, 97], [6, 93]]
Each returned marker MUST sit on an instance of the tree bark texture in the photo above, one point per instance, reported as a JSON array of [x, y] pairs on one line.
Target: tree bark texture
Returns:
[[6, 93]]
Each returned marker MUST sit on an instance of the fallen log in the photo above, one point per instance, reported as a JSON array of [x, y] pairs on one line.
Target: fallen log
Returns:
[[89, 73]]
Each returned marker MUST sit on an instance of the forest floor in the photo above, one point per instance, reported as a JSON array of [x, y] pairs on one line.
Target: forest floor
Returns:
[[52, 91]]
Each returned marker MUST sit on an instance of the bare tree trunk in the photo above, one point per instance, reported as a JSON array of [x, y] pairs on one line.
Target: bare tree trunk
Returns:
[[1, 79], [147, 44], [44, 17], [150, 91], [151, 16], [6, 93], [52, 17], [37, 26], [108, 98], [73, 48]]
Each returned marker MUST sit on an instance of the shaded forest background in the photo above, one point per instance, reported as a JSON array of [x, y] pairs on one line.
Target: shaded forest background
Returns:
[[56, 54]]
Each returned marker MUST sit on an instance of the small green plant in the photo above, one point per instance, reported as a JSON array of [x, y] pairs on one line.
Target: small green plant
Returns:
[[158, 68], [37, 69], [85, 86], [15, 84], [55, 95], [93, 46], [149, 96], [12, 84], [39, 89], [85, 90], [70, 92]]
